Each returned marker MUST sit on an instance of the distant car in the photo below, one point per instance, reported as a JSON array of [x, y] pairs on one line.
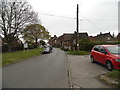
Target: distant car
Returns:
[[47, 50], [108, 55]]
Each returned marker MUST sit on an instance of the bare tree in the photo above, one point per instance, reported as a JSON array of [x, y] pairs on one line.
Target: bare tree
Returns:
[[14, 16]]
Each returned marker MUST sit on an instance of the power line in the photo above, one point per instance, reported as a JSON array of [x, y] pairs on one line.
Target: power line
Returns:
[[114, 19], [57, 16], [90, 22], [60, 23], [111, 19]]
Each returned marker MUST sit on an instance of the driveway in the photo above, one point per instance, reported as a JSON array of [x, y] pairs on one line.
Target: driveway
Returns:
[[83, 72], [43, 71]]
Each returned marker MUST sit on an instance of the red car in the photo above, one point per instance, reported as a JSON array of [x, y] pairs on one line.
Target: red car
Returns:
[[108, 55]]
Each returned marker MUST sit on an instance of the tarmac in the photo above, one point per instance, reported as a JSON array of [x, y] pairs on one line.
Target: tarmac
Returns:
[[83, 73]]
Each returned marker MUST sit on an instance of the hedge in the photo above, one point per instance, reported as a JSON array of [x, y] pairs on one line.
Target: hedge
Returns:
[[87, 46], [14, 48]]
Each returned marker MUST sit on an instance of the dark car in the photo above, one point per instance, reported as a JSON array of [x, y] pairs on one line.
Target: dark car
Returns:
[[47, 50], [108, 55]]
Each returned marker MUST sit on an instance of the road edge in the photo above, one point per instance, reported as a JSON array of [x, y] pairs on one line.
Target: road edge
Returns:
[[69, 73]]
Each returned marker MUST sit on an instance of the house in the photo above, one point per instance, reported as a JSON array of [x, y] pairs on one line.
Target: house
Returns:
[[53, 41], [83, 36], [118, 37], [106, 37], [68, 40], [91, 38], [59, 41]]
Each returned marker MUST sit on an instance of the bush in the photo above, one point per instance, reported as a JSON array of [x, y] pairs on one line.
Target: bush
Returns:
[[88, 45], [17, 47], [5, 48], [32, 45]]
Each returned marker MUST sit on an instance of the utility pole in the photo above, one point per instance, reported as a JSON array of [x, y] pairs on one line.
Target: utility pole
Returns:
[[77, 34]]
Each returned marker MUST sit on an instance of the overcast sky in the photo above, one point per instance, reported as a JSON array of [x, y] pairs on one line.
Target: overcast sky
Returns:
[[95, 16]]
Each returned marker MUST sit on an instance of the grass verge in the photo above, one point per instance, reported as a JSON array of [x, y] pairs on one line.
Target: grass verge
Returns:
[[78, 53], [111, 78], [12, 57], [114, 74]]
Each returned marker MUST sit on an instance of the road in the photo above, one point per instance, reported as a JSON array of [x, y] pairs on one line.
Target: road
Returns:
[[44, 71]]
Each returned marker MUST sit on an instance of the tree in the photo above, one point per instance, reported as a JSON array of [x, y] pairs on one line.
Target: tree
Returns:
[[14, 16], [34, 32]]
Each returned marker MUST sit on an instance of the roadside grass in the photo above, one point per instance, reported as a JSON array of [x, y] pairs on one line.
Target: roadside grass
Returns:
[[12, 57], [111, 78], [115, 74], [78, 53], [0, 59]]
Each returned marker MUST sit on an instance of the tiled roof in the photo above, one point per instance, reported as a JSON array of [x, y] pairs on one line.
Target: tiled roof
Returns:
[[68, 37], [118, 36]]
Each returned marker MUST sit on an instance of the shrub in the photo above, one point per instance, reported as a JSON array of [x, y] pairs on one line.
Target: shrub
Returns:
[[88, 45], [31, 46], [5, 48], [17, 47]]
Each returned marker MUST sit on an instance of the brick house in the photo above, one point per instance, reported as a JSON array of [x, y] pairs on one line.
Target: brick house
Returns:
[[106, 37], [60, 40], [53, 41], [68, 40], [91, 38]]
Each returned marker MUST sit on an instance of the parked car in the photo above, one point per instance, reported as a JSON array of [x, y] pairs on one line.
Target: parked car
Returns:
[[47, 50], [118, 44], [51, 48], [108, 55]]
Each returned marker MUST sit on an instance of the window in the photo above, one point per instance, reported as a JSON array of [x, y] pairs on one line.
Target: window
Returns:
[[96, 48], [102, 49], [114, 49]]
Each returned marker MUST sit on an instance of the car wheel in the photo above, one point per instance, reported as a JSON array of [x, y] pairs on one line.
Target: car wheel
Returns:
[[92, 59], [109, 65]]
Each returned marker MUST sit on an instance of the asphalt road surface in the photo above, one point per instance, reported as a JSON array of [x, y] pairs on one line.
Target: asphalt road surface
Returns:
[[84, 73], [44, 71]]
